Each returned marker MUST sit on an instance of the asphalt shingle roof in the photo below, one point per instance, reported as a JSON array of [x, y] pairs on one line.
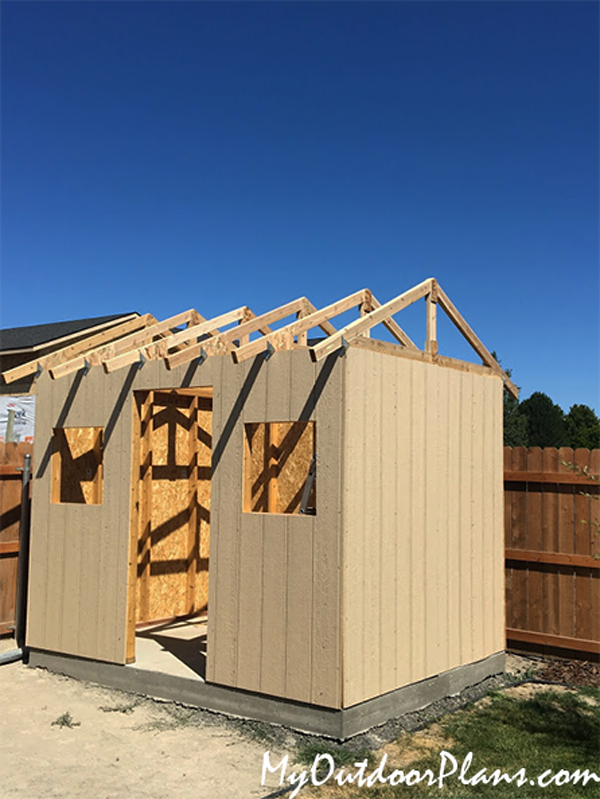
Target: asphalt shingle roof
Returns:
[[17, 338]]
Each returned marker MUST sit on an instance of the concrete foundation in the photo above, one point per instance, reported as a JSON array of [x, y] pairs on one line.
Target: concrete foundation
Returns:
[[338, 724]]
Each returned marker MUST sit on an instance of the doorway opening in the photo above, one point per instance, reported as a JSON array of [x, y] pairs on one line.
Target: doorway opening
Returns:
[[170, 530]]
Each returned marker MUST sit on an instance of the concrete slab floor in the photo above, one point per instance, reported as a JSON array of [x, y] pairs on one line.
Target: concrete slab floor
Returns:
[[175, 647]]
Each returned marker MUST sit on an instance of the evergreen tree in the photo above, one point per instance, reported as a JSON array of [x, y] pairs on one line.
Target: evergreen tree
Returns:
[[546, 422], [515, 423], [583, 427]]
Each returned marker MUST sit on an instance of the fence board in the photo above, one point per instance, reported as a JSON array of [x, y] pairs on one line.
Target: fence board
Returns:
[[550, 542], [534, 541], [552, 574], [11, 460], [519, 614]]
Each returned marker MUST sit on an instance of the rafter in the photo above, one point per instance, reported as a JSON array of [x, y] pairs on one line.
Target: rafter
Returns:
[[222, 344], [325, 326], [394, 328], [486, 356], [283, 338], [381, 314], [160, 349], [93, 357], [67, 353]]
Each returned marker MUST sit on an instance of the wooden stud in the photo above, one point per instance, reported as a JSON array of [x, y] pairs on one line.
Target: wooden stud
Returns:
[[145, 530], [134, 531], [67, 353], [271, 450], [193, 527], [355, 329], [302, 338], [365, 308], [280, 338], [431, 344]]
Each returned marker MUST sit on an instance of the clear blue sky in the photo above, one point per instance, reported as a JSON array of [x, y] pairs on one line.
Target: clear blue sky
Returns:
[[166, 155]]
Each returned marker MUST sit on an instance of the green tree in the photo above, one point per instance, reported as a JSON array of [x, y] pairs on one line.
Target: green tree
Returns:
[[515, 423], [583, 427], [546, 421]]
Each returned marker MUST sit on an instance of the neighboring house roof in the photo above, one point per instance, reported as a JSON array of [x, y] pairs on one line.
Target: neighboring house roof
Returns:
[[34, 337]]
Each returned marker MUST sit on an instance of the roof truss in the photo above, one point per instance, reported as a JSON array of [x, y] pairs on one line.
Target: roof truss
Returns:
[[146, 338]]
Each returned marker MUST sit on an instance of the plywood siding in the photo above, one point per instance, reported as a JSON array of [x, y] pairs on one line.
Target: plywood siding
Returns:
[[275, 580], [274, 591], [423, 522], [78, 561]]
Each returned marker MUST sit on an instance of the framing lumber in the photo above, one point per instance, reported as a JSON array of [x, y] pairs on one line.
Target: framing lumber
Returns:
[[94, 357], [431, 344], [388, 348], [486, 356], [283, 338], [67, 353], [394, 328], [356, 328], [365, 308], [223, 343], [325, 326], [159, 349]]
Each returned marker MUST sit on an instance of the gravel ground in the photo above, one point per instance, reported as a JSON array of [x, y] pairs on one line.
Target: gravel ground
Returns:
[[62, 738]]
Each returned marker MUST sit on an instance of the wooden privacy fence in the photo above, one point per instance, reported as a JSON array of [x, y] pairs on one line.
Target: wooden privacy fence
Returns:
[[11, 460], [552, 548]]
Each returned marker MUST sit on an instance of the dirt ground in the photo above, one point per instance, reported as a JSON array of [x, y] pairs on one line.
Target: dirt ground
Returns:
[[65, 739], [114, 745]]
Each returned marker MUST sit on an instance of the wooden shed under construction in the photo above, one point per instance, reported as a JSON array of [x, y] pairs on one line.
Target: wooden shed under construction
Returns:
[[335, 507]]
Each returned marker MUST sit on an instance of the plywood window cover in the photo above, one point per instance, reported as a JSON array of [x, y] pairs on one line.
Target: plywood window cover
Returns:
[[77, 455], [277, 457], [202, 338]]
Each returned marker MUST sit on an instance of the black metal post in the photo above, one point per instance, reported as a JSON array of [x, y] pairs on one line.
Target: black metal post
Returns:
[[23, 570]]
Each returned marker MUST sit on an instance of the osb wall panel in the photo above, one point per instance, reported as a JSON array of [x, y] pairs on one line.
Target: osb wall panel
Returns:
[[77, 465], [169, 508], [277, 458], [423, 549], [174, 539], [274, 587]]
